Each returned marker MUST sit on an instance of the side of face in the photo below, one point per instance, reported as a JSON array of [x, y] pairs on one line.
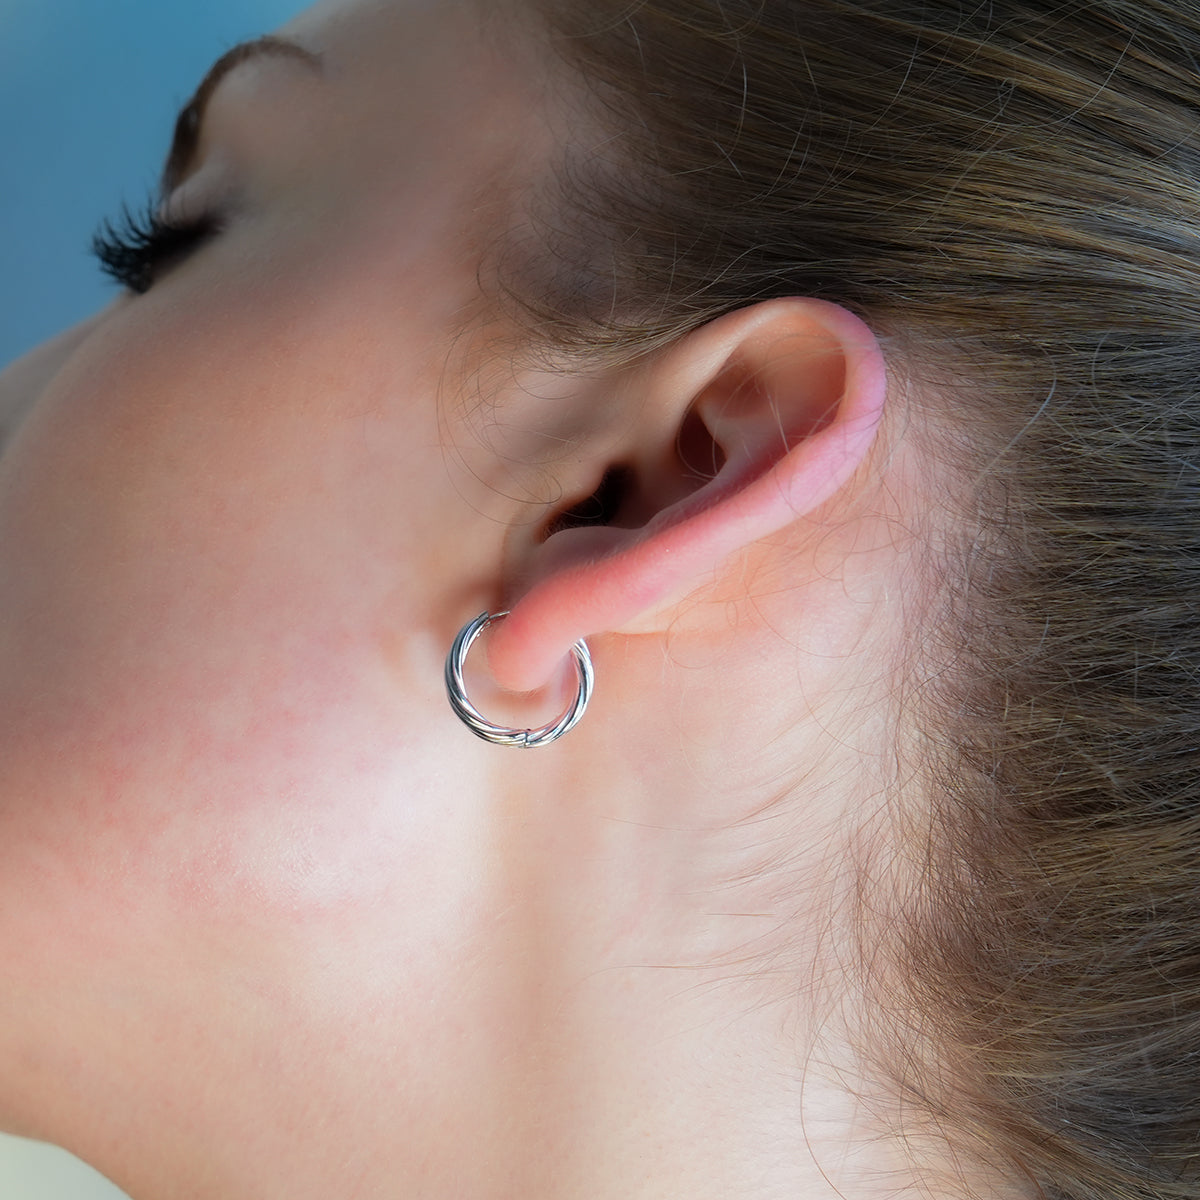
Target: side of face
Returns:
[[226, 520]]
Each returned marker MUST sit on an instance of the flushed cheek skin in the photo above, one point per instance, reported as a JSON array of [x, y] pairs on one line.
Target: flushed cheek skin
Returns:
[[198, 565], [24, 381], [220, 653], [230, 782], [222, 750]]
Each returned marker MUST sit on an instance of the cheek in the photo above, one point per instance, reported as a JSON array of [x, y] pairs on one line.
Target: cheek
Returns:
[[175, 495], [22, 382], [205, 538]]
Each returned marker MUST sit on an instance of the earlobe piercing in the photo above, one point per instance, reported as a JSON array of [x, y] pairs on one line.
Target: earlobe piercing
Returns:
[[498, 734]]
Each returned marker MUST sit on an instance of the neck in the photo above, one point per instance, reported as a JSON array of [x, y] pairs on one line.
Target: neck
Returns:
[[614, 1071], [550, 976], [592, 989]]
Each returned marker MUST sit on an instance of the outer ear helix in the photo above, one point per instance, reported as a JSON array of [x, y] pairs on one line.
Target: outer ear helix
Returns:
[[499, 735], [791, 393]]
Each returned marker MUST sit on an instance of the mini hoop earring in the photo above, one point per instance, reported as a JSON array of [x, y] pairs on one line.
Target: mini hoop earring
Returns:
[[499, 735]]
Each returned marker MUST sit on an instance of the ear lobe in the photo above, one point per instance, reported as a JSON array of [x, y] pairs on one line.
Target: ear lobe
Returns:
[[781, 400]]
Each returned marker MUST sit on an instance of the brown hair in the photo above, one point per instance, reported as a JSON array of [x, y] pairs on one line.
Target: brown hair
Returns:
[[1011, 191]]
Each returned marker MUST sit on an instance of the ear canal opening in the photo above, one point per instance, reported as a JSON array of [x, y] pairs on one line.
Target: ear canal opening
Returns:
[[615, 499], [700, 455], [601, 507]]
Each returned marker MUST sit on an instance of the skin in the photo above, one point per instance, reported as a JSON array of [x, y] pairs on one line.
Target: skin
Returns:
[[275, 924]]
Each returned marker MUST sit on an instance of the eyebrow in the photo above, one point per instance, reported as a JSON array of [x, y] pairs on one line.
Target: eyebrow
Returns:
[[191, 119]]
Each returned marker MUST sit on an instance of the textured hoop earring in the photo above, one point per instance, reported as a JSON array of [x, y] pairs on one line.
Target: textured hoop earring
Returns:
[[500, 735]]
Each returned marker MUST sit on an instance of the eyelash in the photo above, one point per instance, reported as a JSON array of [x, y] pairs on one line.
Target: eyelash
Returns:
[[136, 247]]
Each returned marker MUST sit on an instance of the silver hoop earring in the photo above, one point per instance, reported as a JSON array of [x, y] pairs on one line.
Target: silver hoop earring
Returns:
[[499, 735]]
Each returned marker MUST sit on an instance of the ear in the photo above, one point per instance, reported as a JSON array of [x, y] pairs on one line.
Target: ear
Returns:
[[756, 420]]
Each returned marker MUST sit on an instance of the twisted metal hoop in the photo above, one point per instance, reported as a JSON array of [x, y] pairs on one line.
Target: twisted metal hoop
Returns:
[[499, 735]]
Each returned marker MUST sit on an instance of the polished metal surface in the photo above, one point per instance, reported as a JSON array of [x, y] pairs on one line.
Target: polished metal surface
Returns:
[[500, 735]]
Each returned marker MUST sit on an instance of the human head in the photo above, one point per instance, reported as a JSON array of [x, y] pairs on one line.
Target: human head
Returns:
[[912, 185], [1007, 195]]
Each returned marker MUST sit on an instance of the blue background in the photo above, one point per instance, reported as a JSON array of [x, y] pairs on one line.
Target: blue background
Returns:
[[89, 91]]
